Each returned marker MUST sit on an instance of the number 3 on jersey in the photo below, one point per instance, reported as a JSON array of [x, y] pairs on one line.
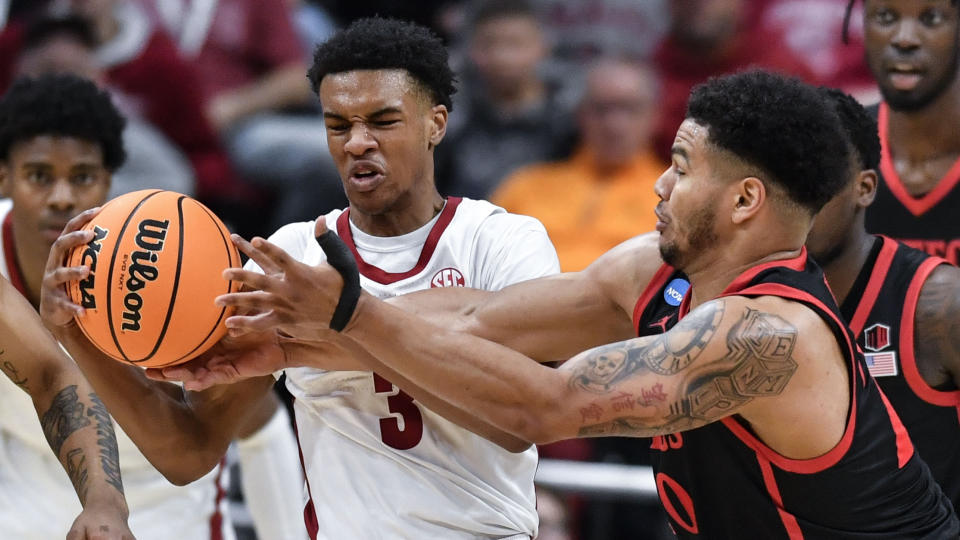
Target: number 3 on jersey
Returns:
[[401, 403]]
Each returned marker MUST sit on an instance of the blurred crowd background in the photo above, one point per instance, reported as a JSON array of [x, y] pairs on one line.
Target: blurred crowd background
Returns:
[[565, 111]]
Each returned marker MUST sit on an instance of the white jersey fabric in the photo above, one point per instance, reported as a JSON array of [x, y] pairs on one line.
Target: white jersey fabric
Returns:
[[379, 464], [37, 500]]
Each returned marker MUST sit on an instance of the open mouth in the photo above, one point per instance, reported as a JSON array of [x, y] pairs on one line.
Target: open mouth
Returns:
[[905, 78]]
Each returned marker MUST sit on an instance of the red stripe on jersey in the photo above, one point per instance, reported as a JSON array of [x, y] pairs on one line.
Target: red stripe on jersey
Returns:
[[216, 519], [874, 284], [788, 519], [908, 359], [798, 263], [916, 206], [309, 512], [10, 253], [658, 281], [904, 444], [800, 466], [382, 276]]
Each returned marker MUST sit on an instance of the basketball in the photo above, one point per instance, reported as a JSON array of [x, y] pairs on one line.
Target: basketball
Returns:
[[156, 262]]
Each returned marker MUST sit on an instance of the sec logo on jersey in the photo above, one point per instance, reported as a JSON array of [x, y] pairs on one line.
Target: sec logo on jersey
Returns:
[[448, 277]]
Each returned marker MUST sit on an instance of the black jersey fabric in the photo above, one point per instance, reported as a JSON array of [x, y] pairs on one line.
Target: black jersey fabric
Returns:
[[929, 222], [881, 308], [721, 481]]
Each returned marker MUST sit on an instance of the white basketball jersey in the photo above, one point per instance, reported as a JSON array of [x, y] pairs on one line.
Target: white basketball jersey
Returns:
[[158, 509], [379, 464]]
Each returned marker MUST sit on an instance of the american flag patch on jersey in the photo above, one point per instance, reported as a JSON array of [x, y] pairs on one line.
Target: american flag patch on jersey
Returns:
[[882, 364]]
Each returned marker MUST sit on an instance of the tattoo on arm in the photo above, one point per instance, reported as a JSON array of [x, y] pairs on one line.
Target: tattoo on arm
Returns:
[[107, 442], [758, 362], [937, 336], [77, 471], [10, 370], [64, 417]]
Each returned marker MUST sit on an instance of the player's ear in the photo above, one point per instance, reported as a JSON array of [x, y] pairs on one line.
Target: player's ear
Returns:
[[866, 186], [749, 195], [437, 124]]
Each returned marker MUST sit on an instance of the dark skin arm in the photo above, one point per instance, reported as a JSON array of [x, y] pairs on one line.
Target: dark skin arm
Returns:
[[188, 432], [73, 418], [937, 336]]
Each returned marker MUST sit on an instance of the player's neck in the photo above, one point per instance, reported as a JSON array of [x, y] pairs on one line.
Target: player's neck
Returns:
[[842, 271], [930, 132], [398, 221], [715, 272]]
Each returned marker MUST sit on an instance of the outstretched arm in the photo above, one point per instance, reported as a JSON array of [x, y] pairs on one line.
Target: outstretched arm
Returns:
[[551, 318], [73, 418], [188, 432]]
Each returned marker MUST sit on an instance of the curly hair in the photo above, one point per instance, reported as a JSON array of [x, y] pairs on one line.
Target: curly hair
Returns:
[[61, 105], [859, 126], [780, 125], [380, 43]]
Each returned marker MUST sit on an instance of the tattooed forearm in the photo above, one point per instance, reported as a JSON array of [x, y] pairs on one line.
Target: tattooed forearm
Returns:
[[64, 417], [758, 363], [77, 471], [107, 441], [666, 354]]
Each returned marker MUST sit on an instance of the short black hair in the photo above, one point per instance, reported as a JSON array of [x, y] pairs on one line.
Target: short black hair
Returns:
[[381, 43], [61, 105], [782, 126], [859, 126], [489, 10], [42, 29]]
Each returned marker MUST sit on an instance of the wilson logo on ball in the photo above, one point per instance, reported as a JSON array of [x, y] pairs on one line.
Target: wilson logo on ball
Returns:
[[87, 299], [151, 234]]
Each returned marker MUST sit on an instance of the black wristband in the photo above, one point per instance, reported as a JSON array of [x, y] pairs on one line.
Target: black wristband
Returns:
[[342, 260]]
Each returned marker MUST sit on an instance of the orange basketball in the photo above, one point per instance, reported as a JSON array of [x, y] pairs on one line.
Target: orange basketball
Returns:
[[157, 261]]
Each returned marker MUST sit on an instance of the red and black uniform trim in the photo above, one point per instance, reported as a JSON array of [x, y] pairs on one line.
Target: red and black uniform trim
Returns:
[[884, 297], [721, 481], [927, 222]]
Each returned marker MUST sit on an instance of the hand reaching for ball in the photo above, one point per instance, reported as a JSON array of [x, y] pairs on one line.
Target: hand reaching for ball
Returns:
[[56, 308]]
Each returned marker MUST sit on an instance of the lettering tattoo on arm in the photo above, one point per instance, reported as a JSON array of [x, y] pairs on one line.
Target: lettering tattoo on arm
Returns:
[[77, 471], [758, 362], [64, 417], [107, 442], [11, 371]]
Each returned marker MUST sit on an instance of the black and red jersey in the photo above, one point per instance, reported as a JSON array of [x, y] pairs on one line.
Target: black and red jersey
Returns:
[[929, 222], [721, 481], [881, 309]]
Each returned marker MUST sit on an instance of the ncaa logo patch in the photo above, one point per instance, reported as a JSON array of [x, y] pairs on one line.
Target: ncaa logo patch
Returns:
[[448, 277], [675, 291]]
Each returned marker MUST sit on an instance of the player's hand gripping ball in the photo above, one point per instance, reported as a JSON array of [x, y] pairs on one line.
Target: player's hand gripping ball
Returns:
[[156, 262]]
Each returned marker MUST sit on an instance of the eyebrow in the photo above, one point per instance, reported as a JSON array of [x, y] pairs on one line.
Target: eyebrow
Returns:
[[375, 114], [679, 150]]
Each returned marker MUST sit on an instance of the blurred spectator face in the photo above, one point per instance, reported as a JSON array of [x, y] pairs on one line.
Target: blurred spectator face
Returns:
[[506, 50], [704, 24], [62, 54], [381, 130], [617, 115], [911, 49]]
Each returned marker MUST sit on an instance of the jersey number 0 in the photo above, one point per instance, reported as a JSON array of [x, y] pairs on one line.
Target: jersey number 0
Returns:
[[401, 403]]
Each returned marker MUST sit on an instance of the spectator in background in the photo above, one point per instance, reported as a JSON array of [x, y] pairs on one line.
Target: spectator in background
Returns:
[[13, 17], [510, 115], [708, 38], [603, 194], [65, 45], [141, 61], [554, 516], [253, 71], [812, 29]]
